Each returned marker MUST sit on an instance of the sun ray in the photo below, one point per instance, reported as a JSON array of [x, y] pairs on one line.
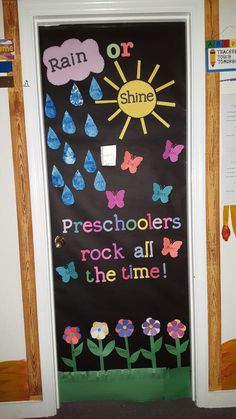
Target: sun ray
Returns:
[[112, 84], [171, 104], [121, 74], [161, 119], [143, 125], [164, 86], [155, 70], [136, 98], [114, 115], [105, 101], [125, 128], [139, 69]]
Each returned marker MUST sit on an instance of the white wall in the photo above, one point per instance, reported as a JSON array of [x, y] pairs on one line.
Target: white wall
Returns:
[[228, 249], [12, 345]]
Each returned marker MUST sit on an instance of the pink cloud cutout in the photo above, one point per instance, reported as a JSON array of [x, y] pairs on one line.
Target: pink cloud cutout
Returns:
[[73, 60]]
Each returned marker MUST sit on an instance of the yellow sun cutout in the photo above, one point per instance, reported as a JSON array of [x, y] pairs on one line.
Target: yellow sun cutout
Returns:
[[137, 98]]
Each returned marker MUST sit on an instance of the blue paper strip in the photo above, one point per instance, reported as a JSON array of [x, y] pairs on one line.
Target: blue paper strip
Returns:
[[6, 66]]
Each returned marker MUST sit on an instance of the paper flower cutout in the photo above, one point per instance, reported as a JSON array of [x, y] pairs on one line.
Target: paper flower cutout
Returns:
[[72, 335], [99, 330], [151, 327], [176, 329], [124, 328]]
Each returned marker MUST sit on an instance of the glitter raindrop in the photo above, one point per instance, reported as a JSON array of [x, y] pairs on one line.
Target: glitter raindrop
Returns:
[[90, 127], [99, 182], [75, 96], [78, 181], [68, 154], [50, 109], [67, 196], [68, 125], [95, 90], [56, 177], [89, 163], [53, 141]]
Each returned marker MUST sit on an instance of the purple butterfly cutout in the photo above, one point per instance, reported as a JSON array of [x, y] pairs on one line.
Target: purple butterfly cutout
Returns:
[[172, 151], [115, 198]]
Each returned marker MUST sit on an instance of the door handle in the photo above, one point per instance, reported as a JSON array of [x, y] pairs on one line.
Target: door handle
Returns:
[[59, 242]]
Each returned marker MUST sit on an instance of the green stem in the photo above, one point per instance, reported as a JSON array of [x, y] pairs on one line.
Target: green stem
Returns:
[[154, 361], [73, 358], [101, 355], [177, 344], [128, 353]]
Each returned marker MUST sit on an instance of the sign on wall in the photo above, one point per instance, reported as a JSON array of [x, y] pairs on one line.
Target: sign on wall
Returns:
[[115, 133]]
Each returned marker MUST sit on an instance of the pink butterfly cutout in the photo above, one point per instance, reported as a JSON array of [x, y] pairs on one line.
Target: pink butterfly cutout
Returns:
[[115, 198], [171, 247], [172, 151], [131, 162]]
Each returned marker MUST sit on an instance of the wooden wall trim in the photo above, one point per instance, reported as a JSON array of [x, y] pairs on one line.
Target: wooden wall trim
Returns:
[[20, 163], [212, 203]]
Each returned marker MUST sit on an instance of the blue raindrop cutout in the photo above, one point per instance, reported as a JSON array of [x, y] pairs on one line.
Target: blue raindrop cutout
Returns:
[[75, 96], [99, 182], [57, 179], [68, 154], [95, 90], [52, 139], [78, 181], [68, 125], [89, 163], [50, 109], [90, 127], [67, 196]]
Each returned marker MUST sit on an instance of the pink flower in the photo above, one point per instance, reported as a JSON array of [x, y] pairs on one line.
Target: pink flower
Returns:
[[176, 329], [72, 334]]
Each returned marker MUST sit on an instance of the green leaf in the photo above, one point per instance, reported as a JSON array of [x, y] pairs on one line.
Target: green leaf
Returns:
[[134, 357], [68, 362], [109, 348], [157, 345], [78, 349], [122, 352], [146, 354], [171, 349], [93, 347], [184, 346]]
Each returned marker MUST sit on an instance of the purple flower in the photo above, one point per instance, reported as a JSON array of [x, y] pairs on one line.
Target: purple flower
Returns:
[[151, 327], [124, 328], [176, 329]]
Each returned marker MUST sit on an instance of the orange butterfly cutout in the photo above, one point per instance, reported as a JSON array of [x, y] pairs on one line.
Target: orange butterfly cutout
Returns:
[[171, 247], [131, 162]]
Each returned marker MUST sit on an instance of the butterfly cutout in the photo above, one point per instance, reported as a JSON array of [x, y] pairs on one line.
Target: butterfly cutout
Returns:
[[67, 272], [131, 162], [115, 198], [171, 247], [172, 151], [161, 193]]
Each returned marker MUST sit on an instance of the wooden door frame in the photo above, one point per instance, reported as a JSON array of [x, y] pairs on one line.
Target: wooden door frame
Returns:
[[23, 205], [213, 203]]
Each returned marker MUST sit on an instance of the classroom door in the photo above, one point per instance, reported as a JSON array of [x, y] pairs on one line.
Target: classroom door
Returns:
[[115, 116]]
